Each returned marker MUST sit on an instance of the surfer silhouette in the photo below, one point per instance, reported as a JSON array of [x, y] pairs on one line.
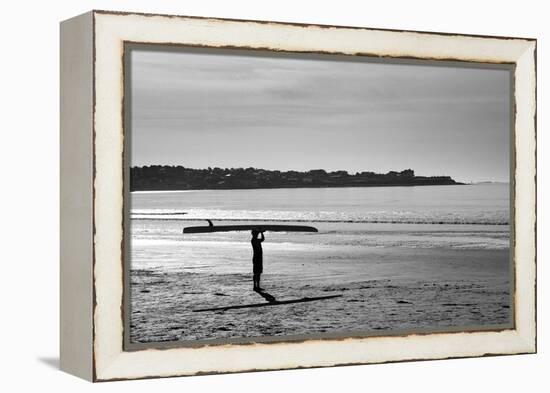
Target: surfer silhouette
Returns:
[[257, 258]]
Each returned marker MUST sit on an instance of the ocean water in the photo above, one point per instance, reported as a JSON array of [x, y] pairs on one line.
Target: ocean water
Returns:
[[465, 204], [430, 246], [462, 217]]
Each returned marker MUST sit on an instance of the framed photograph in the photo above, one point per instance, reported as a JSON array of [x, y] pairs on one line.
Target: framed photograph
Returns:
[[246, 195]]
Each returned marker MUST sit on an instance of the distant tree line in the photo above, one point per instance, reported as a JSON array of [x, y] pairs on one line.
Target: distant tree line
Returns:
[[163, 177]]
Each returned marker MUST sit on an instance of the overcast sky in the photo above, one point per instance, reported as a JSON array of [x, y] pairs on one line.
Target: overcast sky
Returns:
[[200, 109]]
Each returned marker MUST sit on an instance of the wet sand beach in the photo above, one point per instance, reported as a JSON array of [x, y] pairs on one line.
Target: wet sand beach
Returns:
[[383, 289]]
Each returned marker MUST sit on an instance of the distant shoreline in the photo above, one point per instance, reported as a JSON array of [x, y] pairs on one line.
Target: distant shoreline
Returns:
[[177, 178], [290, 188]]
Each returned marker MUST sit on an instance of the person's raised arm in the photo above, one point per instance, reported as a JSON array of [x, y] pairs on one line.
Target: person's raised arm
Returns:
[[262, 236]]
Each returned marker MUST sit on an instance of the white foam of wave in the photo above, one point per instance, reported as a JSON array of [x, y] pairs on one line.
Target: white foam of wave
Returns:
[[486, 217], [332, 243]]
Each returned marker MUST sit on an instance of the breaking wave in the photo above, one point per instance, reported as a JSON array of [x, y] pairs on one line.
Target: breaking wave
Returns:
[[494, 217]]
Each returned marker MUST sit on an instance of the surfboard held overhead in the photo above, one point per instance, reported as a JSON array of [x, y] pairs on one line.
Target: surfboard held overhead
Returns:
[[248, 227]]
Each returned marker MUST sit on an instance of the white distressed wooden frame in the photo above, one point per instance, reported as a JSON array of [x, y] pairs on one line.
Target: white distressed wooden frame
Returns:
[[92, 195]]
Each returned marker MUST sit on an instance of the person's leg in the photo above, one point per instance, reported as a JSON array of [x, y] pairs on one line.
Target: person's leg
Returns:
[[255, 280]]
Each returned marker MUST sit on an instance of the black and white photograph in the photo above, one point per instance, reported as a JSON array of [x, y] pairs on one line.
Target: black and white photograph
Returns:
[[280, 196], [212, 196]]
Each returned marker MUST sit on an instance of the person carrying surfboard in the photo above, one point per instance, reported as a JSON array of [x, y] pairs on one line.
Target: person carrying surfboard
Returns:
[[257, 258]]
